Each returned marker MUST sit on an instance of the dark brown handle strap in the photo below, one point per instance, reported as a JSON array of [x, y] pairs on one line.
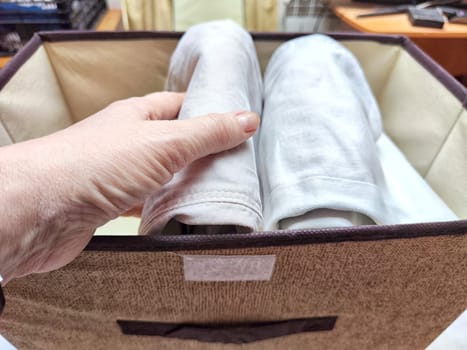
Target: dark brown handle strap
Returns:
[[234, 333]]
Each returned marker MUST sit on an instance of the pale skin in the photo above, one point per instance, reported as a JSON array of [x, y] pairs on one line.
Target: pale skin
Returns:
[[56, 190]]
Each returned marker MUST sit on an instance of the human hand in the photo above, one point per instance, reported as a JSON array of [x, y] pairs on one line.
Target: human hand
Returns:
[[56, 190]]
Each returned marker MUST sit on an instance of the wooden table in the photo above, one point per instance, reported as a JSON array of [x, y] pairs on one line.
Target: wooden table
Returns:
[[110, 20], [448, 46]]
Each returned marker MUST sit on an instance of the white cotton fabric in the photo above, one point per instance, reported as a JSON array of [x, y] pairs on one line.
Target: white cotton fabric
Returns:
[[317, 139], [325, 218], [318, 159], [216, 64], [412, 199]]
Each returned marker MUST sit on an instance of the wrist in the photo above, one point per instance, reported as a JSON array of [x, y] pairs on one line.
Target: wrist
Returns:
[[21, 213]]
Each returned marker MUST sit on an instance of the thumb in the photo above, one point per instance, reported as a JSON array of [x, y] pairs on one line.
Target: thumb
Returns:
[[201, 136], [219, 132]]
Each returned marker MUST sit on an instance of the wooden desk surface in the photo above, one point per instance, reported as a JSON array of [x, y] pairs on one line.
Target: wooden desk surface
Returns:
[[447, 46], [4, 60], [110, 20], [395, 24]]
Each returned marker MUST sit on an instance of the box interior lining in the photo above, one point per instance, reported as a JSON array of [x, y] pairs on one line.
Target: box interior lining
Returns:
[[32, 103], [81, 77]]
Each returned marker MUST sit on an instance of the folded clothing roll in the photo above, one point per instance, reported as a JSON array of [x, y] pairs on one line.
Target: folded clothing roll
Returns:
[[316, 147], [322, 157], [410, 196], [216, 64]]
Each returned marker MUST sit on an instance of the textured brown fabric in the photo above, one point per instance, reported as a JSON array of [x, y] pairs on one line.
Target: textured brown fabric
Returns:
[[393, 294]]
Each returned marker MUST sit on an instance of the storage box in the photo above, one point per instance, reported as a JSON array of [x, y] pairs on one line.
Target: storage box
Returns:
[[371, 287]]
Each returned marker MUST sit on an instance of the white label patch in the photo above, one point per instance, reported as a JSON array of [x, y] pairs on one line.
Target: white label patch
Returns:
[[228, 267]]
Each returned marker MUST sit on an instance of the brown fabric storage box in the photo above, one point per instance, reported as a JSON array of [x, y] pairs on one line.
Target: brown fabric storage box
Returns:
[[374, 287]]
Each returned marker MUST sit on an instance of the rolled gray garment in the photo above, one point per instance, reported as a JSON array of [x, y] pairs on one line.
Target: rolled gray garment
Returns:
[[323, 159], [317, 157], [216, 64]]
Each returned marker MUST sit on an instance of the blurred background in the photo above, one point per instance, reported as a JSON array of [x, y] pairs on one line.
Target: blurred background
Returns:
[[20, 19], [446, 44]]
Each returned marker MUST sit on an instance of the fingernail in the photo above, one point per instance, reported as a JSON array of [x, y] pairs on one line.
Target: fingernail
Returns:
[[248, 121], [240, 112]]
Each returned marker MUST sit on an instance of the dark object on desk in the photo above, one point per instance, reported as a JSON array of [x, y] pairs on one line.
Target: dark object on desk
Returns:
[[405, 8], [455, 15], [386, 11], [432, 18], [451, 12], [459, 19]]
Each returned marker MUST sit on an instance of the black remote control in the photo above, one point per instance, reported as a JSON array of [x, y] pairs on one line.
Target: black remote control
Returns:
[[426, 17]]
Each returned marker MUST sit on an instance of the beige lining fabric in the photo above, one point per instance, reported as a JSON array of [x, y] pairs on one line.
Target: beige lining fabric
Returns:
[[448, 170], [418, 112], [32, 103], [93, 74]]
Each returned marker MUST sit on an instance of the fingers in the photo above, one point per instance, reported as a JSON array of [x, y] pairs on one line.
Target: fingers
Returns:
[[218, 132], [163, 105], [198, 137]]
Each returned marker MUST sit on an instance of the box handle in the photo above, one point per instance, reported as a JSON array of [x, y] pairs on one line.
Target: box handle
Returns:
[[227, 333]]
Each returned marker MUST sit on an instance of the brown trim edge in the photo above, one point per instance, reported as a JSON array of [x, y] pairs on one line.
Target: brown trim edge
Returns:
[[276, 238], [230, 333], [88, 35], [7, 72], [78, 35]]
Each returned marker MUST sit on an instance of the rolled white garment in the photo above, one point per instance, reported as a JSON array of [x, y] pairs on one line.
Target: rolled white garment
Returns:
[[323, 160], [317, 141], [411, 197], [216, 64], [325, 218]]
